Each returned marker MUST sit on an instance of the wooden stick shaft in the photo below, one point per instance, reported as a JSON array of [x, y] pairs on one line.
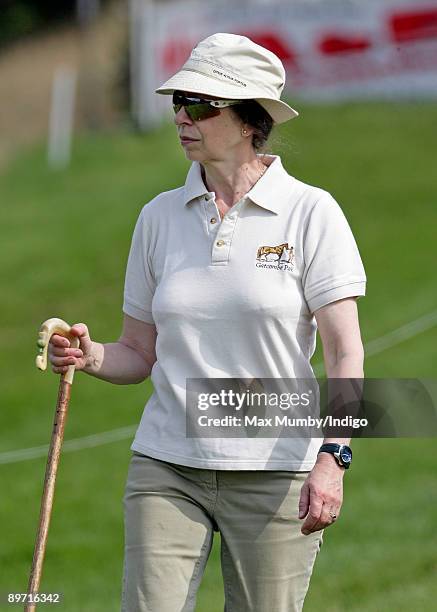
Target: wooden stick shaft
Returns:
[[49, 489]]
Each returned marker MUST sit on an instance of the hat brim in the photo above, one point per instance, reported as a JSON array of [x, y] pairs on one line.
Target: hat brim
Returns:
[[195, 82]]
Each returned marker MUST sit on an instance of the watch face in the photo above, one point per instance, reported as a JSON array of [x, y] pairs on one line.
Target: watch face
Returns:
[[346, 455]]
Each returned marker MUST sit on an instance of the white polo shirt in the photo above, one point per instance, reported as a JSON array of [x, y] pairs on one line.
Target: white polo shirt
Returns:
[[235, 298]]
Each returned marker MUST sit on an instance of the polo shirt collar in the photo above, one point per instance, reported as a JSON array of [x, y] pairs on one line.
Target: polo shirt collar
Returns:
[[194, 185], [268, 192]]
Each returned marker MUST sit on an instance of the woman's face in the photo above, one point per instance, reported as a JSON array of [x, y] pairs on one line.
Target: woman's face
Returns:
[[215, 139]]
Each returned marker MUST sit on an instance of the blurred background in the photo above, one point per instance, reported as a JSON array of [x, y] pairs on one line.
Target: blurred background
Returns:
[[84, 144]]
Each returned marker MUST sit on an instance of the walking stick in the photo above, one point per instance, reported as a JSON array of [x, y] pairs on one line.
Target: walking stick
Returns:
[[48, 328]]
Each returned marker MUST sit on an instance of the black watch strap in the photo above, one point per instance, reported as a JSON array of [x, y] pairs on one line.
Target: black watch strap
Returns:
[[329, 448], [337, 451]]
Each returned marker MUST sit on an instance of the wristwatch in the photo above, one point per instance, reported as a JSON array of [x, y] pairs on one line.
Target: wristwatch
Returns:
[[341, 452]]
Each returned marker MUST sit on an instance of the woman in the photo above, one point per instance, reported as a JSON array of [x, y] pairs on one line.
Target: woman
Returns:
[[229, 276]]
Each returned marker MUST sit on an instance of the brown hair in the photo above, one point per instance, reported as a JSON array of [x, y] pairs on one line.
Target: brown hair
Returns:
[[253, 114]]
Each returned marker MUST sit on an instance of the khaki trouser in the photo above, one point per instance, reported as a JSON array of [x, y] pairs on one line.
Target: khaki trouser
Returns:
[[171, 513]]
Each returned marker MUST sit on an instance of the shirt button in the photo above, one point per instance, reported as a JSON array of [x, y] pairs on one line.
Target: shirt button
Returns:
[[220, 243], [213, 220]]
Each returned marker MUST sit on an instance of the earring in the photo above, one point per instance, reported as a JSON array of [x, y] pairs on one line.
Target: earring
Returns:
[[244, 132]]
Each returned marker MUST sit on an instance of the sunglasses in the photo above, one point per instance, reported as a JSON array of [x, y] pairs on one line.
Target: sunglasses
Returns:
[[199, 108]]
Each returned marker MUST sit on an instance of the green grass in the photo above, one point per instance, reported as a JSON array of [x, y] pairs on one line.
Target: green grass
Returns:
[[65, 240]]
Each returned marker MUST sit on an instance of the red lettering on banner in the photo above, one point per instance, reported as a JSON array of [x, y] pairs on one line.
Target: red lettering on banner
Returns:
[[416, 25], [175, 53], [333, 44], [273, 42], [337, 69]]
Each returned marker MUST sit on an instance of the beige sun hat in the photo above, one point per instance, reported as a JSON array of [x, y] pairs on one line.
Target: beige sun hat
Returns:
[[234, 67]]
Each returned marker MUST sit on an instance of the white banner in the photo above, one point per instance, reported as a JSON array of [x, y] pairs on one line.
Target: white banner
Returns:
[[331, 49]]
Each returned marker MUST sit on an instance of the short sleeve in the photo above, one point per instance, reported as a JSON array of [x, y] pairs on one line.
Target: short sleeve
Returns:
[[333, 269], [139, 286]]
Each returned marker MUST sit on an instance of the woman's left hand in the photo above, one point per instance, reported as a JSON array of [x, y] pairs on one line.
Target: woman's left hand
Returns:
[[321, 495]]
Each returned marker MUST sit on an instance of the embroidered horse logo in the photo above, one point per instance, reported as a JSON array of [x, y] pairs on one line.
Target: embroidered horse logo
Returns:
[[280, 253]]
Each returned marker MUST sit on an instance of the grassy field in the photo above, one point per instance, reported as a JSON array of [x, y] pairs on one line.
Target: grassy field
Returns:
[[65, 239]]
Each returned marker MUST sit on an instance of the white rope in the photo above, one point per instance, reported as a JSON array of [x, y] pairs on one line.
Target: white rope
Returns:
[[409, 330], [105, 437]]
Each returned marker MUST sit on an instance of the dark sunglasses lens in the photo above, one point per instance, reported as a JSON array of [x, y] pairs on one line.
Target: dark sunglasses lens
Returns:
[[197, 112], [178, 98], [194, 107]]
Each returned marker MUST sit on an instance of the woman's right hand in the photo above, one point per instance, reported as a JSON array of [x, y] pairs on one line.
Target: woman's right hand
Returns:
[[61, 355]]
